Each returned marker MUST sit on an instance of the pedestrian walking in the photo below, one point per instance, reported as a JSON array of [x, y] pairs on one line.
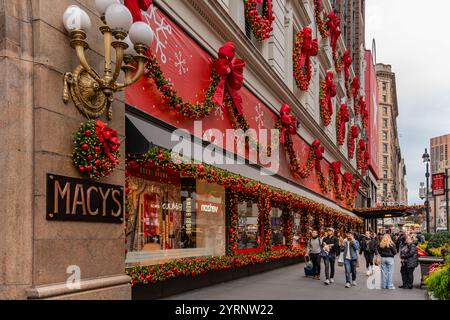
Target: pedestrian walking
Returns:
[[387, 251], [368, 247], [331, 246], [313, 252], [410, 261], [350, 248]]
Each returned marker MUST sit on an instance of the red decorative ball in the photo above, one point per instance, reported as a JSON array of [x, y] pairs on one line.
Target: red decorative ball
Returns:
[[85, 147]]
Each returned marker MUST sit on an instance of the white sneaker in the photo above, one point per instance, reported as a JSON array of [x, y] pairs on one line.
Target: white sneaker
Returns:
[[354, 283], [327, 282], [332, 280], [347, 285], [393, 288]]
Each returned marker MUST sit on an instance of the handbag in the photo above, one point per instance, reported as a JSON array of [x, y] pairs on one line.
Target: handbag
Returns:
[[377, 259], [341, 259]]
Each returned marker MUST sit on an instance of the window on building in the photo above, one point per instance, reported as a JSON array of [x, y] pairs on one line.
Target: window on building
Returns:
[[385, 123], [385, 174], [173, 217], [446, 152], [384, 86], [385, 148], [441, 153], [248, 225], [277, 227], [384, 98], [385, 189], [385, 160], [385, 111], [385, 135]]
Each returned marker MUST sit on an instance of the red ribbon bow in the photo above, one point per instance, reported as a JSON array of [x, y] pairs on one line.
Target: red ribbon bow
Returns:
[[231, 72], [110, 140], [310, 48], [318, 152], [348, 177], [347, 62], [135, 7], [330, 90], [345, 116], [288, 122], [333, 25]]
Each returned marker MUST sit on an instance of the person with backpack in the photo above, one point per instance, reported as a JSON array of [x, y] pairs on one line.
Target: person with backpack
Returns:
[[331, 248], [350, 248], [387, 251], [313, 252], [369, 247], [410, 261]]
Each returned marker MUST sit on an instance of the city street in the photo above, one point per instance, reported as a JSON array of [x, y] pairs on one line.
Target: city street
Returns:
[[290, 284]]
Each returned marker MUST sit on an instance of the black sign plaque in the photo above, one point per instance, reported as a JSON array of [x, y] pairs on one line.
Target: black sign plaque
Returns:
[[71, 199]]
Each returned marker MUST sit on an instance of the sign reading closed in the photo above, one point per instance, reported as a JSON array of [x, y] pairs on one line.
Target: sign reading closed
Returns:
[[71, 199]]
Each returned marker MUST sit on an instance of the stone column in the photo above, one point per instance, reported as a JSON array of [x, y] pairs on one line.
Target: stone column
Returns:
[[38, 129]]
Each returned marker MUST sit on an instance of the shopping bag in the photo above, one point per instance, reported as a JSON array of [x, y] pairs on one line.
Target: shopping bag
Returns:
[[341, 260], [377, 260]]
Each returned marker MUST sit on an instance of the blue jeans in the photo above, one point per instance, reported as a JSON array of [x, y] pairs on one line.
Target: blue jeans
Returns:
[[350, 270], [387, 268]]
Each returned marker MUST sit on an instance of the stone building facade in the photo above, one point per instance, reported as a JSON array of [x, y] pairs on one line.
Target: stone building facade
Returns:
[[35, 52]]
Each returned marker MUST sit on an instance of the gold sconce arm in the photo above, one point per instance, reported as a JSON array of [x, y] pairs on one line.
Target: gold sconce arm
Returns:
[[80, 45]]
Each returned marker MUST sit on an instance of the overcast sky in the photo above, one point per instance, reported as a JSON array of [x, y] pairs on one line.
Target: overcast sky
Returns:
[[414, 37]]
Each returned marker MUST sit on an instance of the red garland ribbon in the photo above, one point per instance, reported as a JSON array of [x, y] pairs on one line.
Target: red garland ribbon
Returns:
[[361, 150], [329, 91], [347, 61], [356, 86], [136, 6], [308, 48], [333, 25], [110, 140], [288, 123], [318, 153], [352, 136], [231, 72], [343, 119], [336, 168]]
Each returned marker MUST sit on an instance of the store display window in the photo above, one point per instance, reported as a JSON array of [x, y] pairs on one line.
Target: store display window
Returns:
[[248, 226], [172, 217], [297, 237], [277, 227]]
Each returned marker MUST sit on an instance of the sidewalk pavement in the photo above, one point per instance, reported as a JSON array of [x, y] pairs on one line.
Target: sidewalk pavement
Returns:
[[290, 284]]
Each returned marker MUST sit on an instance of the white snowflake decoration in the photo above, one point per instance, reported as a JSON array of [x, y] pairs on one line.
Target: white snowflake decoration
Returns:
[[259, 118], [162, 31], [180, 63]]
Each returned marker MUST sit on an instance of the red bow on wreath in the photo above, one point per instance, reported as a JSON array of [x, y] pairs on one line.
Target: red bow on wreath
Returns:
[[135, 7], [330, 91], [231, 72], [310, 48], [318, 152], [333, 25], [288, 122], [109, 138], [347, 63]]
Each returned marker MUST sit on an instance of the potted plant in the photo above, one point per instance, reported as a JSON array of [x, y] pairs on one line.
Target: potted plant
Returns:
[[438, 281], [436, 249]]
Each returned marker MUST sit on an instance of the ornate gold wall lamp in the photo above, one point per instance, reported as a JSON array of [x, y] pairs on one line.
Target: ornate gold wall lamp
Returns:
[[91, 93]]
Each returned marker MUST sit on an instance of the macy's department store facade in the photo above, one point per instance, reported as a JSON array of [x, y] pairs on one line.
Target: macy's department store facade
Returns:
[[155, 217]]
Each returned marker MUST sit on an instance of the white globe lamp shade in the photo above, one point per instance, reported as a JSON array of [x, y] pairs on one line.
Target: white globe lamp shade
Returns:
[[130, 50], [102, 5], [141, 33], [118, 17], [75, 18]]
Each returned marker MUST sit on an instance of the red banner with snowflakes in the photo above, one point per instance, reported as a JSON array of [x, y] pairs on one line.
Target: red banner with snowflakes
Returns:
[[188, 66]]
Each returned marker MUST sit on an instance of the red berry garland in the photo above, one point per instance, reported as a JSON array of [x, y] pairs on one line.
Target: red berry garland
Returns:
[[96, 149], [327, 92], [261, 25], [319, 21], [305, 48], [352, 136], [342, 119]]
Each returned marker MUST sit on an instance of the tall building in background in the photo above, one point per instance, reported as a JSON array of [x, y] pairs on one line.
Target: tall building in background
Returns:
[[392, 186], [439, 162], [352, 14], [371, 94]]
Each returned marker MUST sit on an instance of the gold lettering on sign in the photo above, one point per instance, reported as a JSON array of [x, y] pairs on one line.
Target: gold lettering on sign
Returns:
[[104, 198], [118, 202], [79, 191], [91, 212], [63, 194]]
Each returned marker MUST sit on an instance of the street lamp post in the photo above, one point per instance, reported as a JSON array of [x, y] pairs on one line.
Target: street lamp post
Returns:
[[426, 160]]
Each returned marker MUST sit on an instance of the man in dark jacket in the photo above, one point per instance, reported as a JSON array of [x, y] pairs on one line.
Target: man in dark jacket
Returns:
[[331, 245], [410, 261]]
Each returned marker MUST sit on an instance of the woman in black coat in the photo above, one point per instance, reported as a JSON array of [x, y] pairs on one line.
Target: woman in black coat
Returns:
[[410, 261]]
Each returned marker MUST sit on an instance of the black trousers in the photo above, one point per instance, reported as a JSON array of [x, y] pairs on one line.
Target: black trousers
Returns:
[[407, 276], [329, 266], [369, 259], [315, 259]]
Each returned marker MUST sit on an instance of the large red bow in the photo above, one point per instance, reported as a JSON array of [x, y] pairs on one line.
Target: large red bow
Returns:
[[318, 152], [135, 7], [347, 62], [330, 91], [333, 25], [310, 48], [109, 138], [288, 122], [231, 72]]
